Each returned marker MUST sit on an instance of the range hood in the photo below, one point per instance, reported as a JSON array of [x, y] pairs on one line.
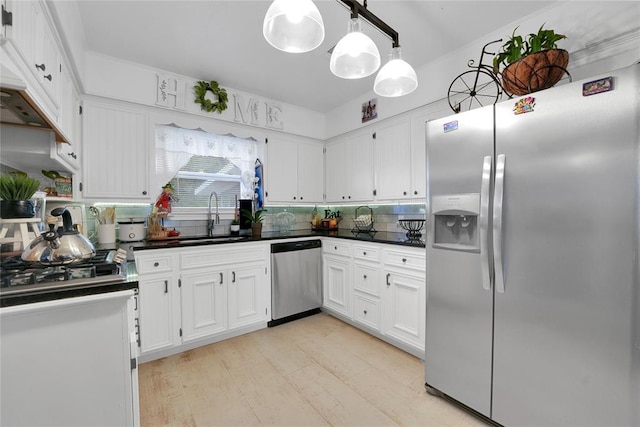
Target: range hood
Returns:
[[17, 108]]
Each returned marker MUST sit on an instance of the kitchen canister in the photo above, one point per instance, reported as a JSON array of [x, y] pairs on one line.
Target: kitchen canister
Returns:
[[106, 234]]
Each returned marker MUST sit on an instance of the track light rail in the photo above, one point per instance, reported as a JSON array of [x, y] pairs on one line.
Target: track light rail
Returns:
[[358, 9]]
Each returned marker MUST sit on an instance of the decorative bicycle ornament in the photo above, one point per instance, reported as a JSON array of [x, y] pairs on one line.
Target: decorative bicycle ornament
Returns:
[[477, 87]]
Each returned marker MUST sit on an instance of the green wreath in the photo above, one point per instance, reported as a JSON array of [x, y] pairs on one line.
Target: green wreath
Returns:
[[201, 90]]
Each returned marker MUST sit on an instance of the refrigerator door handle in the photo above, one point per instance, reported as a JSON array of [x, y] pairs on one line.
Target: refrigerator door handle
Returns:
[[498, 198], [485, 189]]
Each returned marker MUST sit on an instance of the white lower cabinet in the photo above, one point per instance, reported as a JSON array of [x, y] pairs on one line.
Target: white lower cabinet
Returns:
[[204, 304], [197, 295], [159, 298], [336, 276], [380, 288], [246, 295], [404, 308]]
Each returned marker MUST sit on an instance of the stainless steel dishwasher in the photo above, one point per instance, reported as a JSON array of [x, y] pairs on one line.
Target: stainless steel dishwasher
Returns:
[[296, 280]]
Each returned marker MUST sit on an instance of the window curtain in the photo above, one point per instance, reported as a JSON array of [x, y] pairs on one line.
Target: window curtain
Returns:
[[176, 145]]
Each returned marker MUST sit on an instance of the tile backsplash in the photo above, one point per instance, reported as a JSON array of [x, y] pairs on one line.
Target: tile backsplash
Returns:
[[385, 218]]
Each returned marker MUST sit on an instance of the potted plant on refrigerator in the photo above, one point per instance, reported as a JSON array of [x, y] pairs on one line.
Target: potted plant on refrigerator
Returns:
[[256, 218], [531, 64], [16, 190]]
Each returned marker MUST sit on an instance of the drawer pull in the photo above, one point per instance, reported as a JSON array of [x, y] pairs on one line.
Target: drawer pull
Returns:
[[335, 248], [48, 77], [365, 276], [388, 275], [364, 253], [221, 278], [166, 286], [404, 260], [41, 67], [365, 312], [156, 264]]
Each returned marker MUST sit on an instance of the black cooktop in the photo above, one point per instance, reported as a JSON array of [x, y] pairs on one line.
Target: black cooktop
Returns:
[[24, 283], [16, 272]]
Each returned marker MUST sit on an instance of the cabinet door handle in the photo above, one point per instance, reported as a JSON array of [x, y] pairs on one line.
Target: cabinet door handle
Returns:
[[166, 286], [48, 77], [144, 193], [294, 197], [388, 275], [364, 253], [155, 264], [41, 67], [404, 193], [365, 276], [404, 260], [415, 192], [365, 311], [301, 198], [335, 248], [221, 278], [233, 277]]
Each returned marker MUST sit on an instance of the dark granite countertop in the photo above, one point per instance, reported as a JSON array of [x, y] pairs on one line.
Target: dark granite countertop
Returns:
[[377, 237], [29, 295]]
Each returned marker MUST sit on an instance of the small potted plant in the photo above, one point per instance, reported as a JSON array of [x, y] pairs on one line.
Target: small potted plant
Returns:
[[256, 219], [16, 190], [531, 64], [235, 226]]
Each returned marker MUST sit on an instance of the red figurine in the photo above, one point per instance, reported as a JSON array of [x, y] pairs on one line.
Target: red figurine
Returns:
[[164, 200]]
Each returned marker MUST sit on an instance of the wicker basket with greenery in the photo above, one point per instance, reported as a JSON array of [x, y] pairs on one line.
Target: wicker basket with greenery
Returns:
[[531, 64]]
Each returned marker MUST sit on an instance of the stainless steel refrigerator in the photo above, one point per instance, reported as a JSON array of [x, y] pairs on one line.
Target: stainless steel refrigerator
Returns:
[[532, 256]]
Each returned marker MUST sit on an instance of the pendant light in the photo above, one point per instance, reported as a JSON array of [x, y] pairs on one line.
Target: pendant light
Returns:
[[356, 55], [397, 77], [294, 26]]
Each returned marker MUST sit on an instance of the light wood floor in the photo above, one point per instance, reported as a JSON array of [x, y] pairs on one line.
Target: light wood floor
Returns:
[[313, 371]]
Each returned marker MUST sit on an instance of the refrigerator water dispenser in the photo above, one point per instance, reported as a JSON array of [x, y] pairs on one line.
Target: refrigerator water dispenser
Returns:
[[455, 222]]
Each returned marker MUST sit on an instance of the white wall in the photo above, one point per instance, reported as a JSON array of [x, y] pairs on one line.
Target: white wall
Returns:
[[601, 36], [118, 79], [588, 25]]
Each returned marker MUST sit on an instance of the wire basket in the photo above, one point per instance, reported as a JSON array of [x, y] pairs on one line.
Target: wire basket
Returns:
[[363, 220], [413, 227]]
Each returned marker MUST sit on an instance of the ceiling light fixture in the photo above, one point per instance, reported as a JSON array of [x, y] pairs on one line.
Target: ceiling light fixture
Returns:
[[356, 55], [293, 26], [397, 77], [296, 26]]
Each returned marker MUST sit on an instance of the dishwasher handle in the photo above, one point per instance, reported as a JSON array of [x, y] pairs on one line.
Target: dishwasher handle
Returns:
[[295, 246]]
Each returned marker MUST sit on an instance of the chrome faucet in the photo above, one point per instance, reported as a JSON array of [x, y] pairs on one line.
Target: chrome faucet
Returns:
[[211, 222]]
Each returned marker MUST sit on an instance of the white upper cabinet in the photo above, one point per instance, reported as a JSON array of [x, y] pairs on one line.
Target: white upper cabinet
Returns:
[[419, 145], [349, 172], [360, 166], [385, 161], [294, 171], [30, 42], [115, 152], [336, 170], [310, 172], [393, 160]]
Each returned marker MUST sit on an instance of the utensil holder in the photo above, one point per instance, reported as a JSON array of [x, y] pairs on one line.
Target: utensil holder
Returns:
[[106, 233]]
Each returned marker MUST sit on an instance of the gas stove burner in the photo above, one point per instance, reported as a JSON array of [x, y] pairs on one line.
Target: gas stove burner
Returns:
[[16, 272]]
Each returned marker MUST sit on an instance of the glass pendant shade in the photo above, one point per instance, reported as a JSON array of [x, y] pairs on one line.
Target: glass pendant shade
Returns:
[[396, 78], [294, 26], [356, 55]]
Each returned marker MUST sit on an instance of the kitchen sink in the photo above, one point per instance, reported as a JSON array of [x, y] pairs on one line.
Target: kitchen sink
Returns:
[[216, 239]]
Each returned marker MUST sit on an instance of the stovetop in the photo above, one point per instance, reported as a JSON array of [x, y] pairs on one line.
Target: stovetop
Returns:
[[20, 277]]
